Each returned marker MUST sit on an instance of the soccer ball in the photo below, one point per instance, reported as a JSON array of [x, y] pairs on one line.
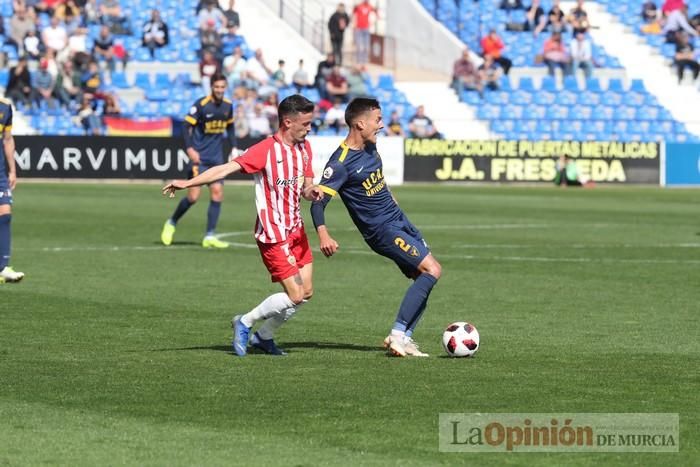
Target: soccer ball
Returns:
[[460, 339]]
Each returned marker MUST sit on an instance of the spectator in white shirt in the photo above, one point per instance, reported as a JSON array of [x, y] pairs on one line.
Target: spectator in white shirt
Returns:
[[258, 123], [582, 54], [54, 36], [211, 12]]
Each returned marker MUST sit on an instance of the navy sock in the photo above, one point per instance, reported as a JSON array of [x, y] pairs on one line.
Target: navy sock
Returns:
[[181, 209], [412, 325], [213, 216], [4, 240], [414, 302]]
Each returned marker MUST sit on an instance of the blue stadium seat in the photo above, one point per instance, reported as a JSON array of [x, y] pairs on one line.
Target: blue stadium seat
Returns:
[[593, 85], [4, 77], [548, 84], [385, 81], [526, 84], [143, 81], [162, 81], [119, 80], [544, 98], [615, 84], [571, 84], [637, 85]]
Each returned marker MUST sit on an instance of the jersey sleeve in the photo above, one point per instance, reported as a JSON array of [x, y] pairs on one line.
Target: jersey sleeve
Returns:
[[253, 159], [334, 177], [192, 116], [7, 119], [308, 165]]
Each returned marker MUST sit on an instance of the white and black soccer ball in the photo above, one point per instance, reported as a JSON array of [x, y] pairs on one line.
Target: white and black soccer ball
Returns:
[[460, 339]]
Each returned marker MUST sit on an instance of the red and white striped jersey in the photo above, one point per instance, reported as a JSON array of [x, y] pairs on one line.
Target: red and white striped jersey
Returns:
[[278, 171]]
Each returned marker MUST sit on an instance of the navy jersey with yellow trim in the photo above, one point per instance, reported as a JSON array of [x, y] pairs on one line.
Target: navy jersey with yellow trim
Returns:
[[5, 125], [358, 177], [210, 122]]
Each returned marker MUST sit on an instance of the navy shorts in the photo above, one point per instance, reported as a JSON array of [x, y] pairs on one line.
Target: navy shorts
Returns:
[[196, 169], [5, 193], [402, 243]]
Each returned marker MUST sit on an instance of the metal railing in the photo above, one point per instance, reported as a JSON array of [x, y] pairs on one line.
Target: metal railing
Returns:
[[307, 17]]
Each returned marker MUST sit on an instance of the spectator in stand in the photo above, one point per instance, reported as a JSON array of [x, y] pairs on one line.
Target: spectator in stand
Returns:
[[490, 73], [270, 106], [695, 22], [73, 22], [357, 82], [32, 45], [421, 126], [535, 19], [650, 13], [278, 77], [335, 116], [258, 75], [67, 8], [325, 68], [234, 67], [103, 48], [155, 33], [19, 86], [362, 12], [91, 81], [685, 57], [55, 36], [45, 6], [465, 74], [300, 78], [112, 17], [317, 123], [240, 123], [676, 20], [492, 45], [230, 40], [67, 88], [209, 38], [211, 13], [337, 85], [44, 85], [555, 55], [233, 19], [578, 18], [20, 24], [87, 118], [50, 57], [259, 124], [555, 18], [111, 107], [91, 12], [337, 24], [208, 67], [394, 127], [511, 5], [582, 54]]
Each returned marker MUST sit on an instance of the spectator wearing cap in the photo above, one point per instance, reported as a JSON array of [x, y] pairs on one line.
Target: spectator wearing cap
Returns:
[[209, 38]]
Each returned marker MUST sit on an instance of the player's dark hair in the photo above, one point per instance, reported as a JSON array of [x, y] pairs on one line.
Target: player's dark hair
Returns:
[[293, 105], [217, 77], [359, 106]]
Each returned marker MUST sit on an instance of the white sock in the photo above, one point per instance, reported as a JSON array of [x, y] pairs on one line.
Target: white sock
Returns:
[[272, 324], [271, 306], [398, 334]]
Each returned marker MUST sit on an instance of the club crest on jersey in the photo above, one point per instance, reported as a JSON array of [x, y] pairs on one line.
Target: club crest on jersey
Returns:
[[193, 110], [291, 260], [328, 173]]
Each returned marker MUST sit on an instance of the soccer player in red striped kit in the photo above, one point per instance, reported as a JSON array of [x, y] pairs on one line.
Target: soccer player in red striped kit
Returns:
[[281, 168]]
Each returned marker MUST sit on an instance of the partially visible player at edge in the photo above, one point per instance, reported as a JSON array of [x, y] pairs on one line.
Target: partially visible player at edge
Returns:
[[355, 171], [208, 119], [282, 170], [8, 181]]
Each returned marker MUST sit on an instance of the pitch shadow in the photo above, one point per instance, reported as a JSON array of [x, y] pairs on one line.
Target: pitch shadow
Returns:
[[287, 346], [176, 243]]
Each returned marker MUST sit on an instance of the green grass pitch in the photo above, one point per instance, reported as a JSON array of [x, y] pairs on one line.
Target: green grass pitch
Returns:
[[116, 350]]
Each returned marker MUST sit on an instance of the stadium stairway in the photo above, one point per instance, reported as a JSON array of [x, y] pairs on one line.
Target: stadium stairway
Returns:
[[638, 58], [452, 118]]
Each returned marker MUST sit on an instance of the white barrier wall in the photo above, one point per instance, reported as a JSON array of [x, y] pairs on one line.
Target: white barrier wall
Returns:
[[390, 149], [421, 41]]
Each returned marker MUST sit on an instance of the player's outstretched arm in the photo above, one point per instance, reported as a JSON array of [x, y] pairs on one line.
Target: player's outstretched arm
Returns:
[[215, 173], [311, 192], [327, 244]]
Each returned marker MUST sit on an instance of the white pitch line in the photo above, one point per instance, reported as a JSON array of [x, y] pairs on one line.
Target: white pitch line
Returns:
[[578, 246]]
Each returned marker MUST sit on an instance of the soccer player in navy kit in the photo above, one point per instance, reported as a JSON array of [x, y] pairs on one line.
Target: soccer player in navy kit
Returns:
[[355, 172], [8, 180], [205, 124]]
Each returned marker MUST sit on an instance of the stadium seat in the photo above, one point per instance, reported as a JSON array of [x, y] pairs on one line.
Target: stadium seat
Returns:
[[526, 84], [548, 84], [615, 84], [119, 80], [571, 84], [593, 85], [143, 81], [385, 81]]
